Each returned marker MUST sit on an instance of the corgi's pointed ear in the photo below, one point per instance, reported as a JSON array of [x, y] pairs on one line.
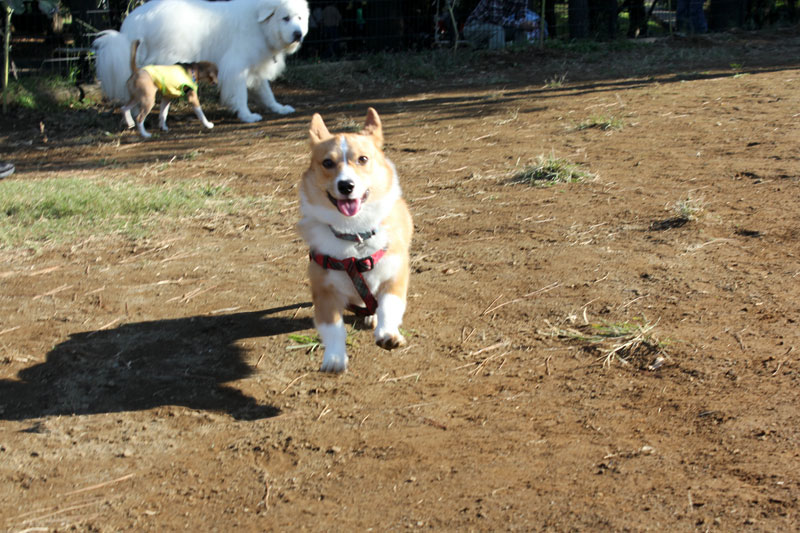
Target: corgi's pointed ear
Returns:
[[318, 131], [372, 126]]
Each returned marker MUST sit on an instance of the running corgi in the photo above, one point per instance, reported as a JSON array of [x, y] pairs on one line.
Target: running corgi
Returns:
[[359, 229]]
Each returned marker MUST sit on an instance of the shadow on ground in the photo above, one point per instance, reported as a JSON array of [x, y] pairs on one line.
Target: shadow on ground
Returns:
[[138, 366]]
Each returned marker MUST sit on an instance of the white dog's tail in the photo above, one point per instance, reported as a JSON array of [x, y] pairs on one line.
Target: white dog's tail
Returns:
[[113, 64]]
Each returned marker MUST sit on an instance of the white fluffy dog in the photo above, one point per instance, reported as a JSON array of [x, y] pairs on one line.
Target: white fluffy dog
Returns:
[[247, 39]]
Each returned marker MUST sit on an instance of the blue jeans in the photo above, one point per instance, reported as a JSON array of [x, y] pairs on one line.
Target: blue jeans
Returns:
[[690, 17]]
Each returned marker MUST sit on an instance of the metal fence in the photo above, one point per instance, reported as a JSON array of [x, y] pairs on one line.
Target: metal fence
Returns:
[[349, 28]]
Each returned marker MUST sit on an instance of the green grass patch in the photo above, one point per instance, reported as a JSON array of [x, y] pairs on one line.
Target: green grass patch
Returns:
[[45, 93], [64, 209], [601, 122], [550, 170], [689, 209]]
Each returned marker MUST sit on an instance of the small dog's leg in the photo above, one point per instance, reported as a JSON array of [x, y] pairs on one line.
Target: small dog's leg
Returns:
[[390, 315], [162, 114], [195, 102], [142, 131], [126, 114], [199, 112], [265, 92]]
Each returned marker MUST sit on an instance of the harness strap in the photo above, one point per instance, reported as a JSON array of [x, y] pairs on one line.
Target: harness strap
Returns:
[[354, 268]]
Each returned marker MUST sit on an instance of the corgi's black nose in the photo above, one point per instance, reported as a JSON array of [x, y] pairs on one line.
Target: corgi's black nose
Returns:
[[346, 186], [298, 36]]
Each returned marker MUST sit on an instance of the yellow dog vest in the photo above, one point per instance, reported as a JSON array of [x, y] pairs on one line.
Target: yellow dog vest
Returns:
[[171, 80]]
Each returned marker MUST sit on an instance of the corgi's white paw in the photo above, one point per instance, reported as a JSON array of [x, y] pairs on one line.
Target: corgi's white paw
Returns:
[[389, 340], [334, 362]]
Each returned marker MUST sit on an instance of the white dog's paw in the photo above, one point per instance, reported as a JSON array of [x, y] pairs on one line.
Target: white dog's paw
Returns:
[[334, 362], [371, 321], [247, 116], [209, 125], [282, 109], [164, 127], [389, 340]]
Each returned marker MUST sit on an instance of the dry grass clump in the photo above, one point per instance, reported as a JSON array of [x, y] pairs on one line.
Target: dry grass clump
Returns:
[[629, 343]]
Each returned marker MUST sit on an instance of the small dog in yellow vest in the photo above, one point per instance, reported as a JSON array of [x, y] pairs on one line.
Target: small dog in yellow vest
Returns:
[[173, 81]]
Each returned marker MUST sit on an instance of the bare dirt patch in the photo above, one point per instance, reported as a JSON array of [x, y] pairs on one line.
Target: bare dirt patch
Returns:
[[150, 384]]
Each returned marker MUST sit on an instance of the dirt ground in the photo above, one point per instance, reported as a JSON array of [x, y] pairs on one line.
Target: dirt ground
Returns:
[[153, 385]]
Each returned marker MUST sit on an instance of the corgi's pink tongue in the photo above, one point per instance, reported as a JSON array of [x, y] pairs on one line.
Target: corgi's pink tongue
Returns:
[[349, 207]]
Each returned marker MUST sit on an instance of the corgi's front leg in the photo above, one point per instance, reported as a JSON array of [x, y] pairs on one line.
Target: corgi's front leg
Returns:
[[334, 337], [328, 309], [390, 315]]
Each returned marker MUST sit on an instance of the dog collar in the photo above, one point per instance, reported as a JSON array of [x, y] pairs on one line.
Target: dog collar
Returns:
[[354, 237]]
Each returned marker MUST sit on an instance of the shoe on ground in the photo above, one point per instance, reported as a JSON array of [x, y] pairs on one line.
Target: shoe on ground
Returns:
[[6, 169]]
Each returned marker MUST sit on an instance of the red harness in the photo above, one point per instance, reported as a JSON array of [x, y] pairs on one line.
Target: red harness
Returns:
[[354, 267]]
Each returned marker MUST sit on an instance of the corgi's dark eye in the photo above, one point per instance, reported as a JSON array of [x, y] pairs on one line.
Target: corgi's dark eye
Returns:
[[362, 160], [328, 163]]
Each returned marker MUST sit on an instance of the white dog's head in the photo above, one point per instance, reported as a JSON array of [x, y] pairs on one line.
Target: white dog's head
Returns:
[[284, 23]]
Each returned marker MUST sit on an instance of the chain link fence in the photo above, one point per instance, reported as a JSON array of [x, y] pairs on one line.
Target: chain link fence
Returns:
[[60, 42]]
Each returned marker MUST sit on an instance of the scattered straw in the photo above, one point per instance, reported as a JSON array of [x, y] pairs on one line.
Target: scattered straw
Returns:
[[100, 485], [295, 380], [493, 308]]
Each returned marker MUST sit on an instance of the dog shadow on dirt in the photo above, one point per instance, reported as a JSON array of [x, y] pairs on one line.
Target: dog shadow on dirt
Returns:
[[139, 366]]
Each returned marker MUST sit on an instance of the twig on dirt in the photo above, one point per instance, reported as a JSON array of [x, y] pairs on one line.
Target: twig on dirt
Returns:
[[101, 485], [226, 310], [183, 255], [295, 380], [737, 336], [384, 379], [482, 364], [494, 346], [324, 412], [696, 247], [9, 330], [267, 489], [163, 247], [550, 287], [780, 364], [547, 364], [463, 338], [105, 326], [192, 294], [633, 301], [434, 423], [47, 270], [81, 505], [101, 289], [52, 292], [491, 304]]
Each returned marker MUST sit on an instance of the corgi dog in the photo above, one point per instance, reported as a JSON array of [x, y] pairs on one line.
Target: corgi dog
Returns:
[[358, 227]]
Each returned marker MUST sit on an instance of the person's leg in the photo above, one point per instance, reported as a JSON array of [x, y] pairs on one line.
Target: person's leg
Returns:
[[485, 35], [697, 19]]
